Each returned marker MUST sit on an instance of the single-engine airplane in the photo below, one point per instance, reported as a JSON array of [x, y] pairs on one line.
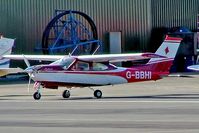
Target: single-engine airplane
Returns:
[[97, 70]]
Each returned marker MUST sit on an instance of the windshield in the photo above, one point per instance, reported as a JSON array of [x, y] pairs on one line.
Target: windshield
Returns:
[[64, 62]]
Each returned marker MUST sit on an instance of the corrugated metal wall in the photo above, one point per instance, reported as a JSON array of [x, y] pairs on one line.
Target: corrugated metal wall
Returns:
[[26, 20], [174, 13]]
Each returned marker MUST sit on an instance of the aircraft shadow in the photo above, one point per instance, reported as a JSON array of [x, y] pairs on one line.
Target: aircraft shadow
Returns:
[[17, 97], [149, 97], [8, 81], [166, 96]]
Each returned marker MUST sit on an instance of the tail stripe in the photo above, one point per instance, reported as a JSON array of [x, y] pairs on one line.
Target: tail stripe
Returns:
[[173, 39], [163, 60]]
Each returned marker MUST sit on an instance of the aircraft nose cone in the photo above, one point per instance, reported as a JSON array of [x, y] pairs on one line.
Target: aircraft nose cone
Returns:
[[29, 70]]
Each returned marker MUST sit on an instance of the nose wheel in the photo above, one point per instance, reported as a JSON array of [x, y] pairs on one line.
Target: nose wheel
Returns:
[[36, 95], [97, 93]]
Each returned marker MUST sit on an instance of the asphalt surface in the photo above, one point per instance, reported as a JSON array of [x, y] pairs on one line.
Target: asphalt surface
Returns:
[[168, 105]]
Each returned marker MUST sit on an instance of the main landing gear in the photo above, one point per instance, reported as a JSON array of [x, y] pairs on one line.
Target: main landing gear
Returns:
[[97, 93], [66, 94]]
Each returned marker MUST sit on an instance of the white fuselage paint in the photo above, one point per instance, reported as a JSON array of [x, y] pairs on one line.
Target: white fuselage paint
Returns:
[[80, 78]]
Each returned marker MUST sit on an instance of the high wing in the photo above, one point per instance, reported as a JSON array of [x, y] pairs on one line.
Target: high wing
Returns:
[[34, 57], [90, 58], [118, 57]]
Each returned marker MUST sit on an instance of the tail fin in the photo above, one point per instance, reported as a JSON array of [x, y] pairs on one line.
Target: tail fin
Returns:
[[168, 49], [6, 45]]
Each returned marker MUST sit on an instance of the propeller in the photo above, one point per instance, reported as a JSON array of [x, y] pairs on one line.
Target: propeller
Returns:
[[28, 70], [29, 84], [26, 61]]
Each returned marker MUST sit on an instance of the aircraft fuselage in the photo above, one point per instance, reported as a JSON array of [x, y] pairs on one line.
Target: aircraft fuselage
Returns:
[[52, 77]]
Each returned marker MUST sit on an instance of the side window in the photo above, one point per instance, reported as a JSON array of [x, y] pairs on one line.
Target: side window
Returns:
[[82, 66], [99, 67]]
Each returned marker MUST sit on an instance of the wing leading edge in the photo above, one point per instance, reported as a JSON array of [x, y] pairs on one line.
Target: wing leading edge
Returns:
[[118, 57], [89, 58], [34, 57]]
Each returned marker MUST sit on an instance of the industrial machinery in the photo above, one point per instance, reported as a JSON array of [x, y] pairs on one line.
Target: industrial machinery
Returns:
[[71, 32]]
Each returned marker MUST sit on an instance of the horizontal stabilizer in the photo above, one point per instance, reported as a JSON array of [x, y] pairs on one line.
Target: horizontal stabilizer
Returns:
[[193, 67]]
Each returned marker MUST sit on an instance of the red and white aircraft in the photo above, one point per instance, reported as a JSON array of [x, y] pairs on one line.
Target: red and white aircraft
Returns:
[[97, 70]]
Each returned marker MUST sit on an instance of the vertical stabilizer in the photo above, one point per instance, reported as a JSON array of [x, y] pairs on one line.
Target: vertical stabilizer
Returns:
[[168, 49]]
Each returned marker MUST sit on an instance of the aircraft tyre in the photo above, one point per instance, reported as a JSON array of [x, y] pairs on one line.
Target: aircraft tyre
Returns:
[[97, 93], [36, 95], [66, 94]]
